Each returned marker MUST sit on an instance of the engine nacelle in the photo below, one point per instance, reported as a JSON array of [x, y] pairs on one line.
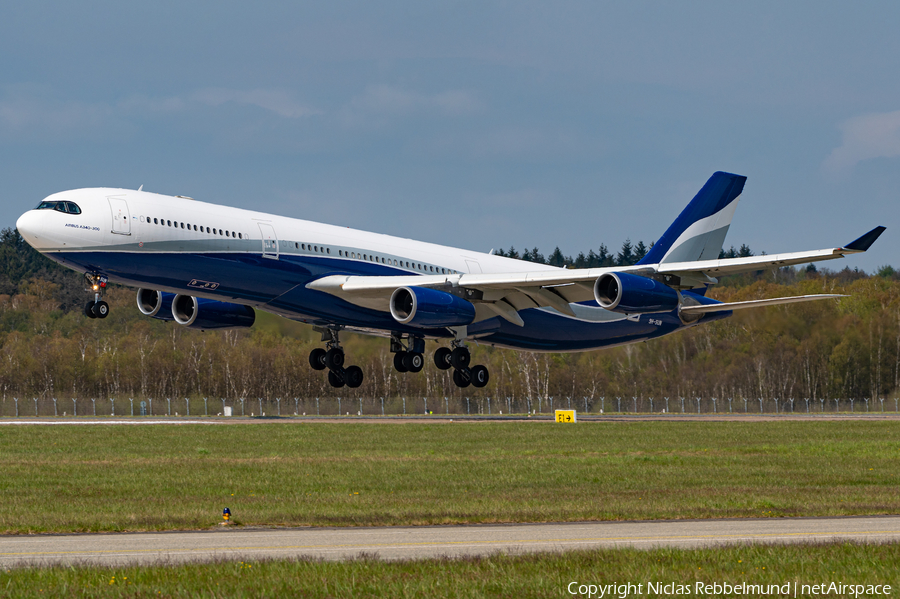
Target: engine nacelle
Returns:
[[631, 294], [430, 308], [155, 304], [201, 313]]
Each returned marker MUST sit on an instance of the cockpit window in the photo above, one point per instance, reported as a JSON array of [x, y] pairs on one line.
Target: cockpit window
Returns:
[[67, 207]]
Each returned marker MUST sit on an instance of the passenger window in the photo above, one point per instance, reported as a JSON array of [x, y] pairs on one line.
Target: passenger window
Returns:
[[226, 234], [169, 223], [182, 225], [327, 250], [221, 232]]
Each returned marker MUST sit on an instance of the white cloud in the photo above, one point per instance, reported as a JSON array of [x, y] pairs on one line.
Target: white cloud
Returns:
[[30, 110], [277, 101], [865, 137], [380, 102]]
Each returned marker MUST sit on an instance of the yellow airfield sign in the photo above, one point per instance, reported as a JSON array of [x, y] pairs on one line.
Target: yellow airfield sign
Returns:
[[566, 416]]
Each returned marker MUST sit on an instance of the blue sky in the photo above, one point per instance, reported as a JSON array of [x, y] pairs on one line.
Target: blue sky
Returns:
[[476, 124]]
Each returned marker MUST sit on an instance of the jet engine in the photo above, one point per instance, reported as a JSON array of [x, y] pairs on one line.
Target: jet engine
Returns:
[[205, 314], [631, 294], [155, 304], [429, 308]]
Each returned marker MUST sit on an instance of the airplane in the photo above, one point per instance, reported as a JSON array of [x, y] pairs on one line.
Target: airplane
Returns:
[[208, 266]]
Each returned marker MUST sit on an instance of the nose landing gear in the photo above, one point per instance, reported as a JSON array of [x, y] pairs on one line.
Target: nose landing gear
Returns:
[[333, 360], [96, 308]]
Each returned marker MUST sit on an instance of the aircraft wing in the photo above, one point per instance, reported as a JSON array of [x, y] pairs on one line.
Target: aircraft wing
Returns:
[[504, 294]]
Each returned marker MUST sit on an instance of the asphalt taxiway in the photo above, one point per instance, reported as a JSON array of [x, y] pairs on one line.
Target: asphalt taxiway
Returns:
[[392, 543]]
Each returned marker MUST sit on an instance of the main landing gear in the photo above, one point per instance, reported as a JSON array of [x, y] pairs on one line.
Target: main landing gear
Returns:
[[411, 359], [96, 308], [332, 358], [458, 358]]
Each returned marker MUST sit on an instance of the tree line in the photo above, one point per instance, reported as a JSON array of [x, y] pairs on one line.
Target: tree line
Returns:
[[628, 255], [845, 350]]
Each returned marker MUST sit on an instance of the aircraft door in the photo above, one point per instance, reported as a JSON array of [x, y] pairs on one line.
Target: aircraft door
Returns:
[[121, 220], [269, 241]]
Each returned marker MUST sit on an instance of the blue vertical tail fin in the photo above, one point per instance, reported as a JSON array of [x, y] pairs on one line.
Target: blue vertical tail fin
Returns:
[[699, 231]]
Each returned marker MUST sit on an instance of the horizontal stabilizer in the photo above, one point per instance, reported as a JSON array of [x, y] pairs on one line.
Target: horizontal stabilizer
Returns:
[[756, 303], [866, 241]]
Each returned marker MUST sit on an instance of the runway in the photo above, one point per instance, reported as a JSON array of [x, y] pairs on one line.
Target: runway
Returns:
[[393, 543]]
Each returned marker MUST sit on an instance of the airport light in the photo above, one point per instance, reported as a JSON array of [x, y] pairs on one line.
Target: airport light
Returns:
[[226, 515]]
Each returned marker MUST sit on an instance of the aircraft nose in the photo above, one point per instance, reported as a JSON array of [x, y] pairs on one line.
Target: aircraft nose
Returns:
[[29, 227]]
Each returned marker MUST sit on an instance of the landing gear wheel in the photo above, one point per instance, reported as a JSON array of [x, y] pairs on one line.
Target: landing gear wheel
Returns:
[[480, 376], [460, 358], [334, 358], [398, 361], [442, 358], [100, 309], [317, 359], [335, 379], [413, 362], [89, 310], [460, 379], [353, 376]]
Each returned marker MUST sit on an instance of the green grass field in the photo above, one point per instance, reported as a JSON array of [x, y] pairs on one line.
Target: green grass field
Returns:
[[544, 575], [116, 478]]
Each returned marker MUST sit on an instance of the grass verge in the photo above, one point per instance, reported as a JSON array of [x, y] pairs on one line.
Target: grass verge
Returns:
[[538, 575], [115, 478]]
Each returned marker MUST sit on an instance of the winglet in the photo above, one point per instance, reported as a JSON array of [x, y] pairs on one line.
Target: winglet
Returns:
[[866, 241]]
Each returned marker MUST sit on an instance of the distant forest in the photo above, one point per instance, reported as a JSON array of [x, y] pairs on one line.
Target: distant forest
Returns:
[[628, 255], [832, 354]]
